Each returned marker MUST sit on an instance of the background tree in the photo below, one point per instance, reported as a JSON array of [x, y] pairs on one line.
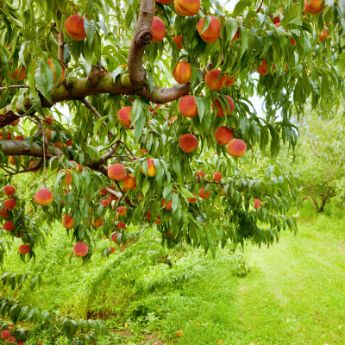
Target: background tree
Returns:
[[84, 107]]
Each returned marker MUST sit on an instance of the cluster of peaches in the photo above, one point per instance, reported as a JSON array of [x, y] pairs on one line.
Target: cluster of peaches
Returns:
[[7, 336]]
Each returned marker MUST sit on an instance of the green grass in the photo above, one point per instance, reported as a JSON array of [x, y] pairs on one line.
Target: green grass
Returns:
[[293, 295]]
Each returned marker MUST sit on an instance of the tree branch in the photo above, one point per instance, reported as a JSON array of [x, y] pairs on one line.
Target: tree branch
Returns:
[[26, 148], [61, 47], [142, 37]]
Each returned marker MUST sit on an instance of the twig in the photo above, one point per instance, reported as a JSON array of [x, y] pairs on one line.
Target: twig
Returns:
[[14, 87]]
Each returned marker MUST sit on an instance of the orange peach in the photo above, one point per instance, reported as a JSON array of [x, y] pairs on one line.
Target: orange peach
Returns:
[[229, 108], [158, 29], [204, 194], [57, 68], [19, 137], [68, 177], [187, 106], [67, 221], [223, 135], [74, 26], [124, 116], [24, 249], [9, 190], [19, 73], [313, 6], [182, 72], [167, 205], [217, 176], [236, 148], [193, 200], [97, 222], [10, 204], [263, 68], [178, 41], [187, 8], [188, 143], [214, 79], [80, 249], [324, 35], [148, 168], [117, 172], [230, 80], [211, 32], [43, 197], [200, 175], [257, 203], [8, 225], [122, 211], [129, 183]]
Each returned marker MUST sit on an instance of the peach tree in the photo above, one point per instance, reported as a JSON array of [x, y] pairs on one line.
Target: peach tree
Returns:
[[89, 108]]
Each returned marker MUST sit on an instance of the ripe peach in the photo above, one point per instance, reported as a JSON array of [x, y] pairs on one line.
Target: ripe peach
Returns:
[[74, 26], [188, 143], [293, 41], [263, 68], [129, 183], [67, 221], [19, 73], [56, 66], [150, 170], [210, 33], [167, 205], [187, 106], [200, 175], [223, 135], [4, 213], [97, 222], [117, 172], [217, 176], [43, 197], [187, 8], [236, 148], [257, 203], [193, 200], [229, 109], [80, 249], [5, 334], [24, 249], [121, 225], [68, 177], [124, 116], [49, 120], [204, 194], [324, 34], [214, 79], [115, 235], [105, 202], [122, 211], [158, 29], [8, 225], [9, 190], [313, 6], [182, 72], [10, 204], [178, 41]]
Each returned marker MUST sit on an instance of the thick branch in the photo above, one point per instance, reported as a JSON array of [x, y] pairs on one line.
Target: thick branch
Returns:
[[142, 37], [165, 95], [27, 148]]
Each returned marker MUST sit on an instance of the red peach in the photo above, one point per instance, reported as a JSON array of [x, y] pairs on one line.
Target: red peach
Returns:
[[214, 79], [236, 148], [230, 80], [167, 205], [178, 41], [56, 66], [97, 222], [122, 210], [313, 6], [129, 183], [182, 72], [124, 116], [217, 176], [158, 29], [8, 225], [193, 200], [10, 204], [188, 143], [67, 221], [236, 35], [187, 106], [324, 34], [210, 33], [68, 177], [121, 225], [3, 213], [223, 135], [257, 203], [19, 73], [200, 175], [187, 8], [229, 109], [5, 334], [204, 194], [115, 235], [9, 190], [43, 197], [293, 41], [263, 68], [24, 249], [80, 249], [74, 26], [117, 172]]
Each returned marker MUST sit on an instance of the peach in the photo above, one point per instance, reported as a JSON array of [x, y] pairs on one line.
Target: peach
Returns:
[[57, 68], [178, 41], [148, 168], [121, 225], [69, 142], [188, 143], [158, 29], [24, 249], [10, 204], [129, 183], [324, 35], [97, 222], [193, 200], [210, 33], [122, 211], [67, 221], [4, 213], [187, 8], [49, 120], [19, 137], [182, 72], [229, 109], [19, 73], [117, 172], [204, 194], [124, 116], [68, 177], [257, 203], [74, 26], [217, 176], [105, 202], [236, 148], [187, 106], [80, 249], [293, 41], [230, 80], [164, 2], [5, 334], [223, 135], [115, 235], [8, 225], [43, 197], [167, 205], [214, 79], [200, 175], [313, 6], [263, 68], [276, 21], [9, 190], [236, 35]]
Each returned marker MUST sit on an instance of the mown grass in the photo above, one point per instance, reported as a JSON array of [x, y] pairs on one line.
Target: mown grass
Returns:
[[293, 295]]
